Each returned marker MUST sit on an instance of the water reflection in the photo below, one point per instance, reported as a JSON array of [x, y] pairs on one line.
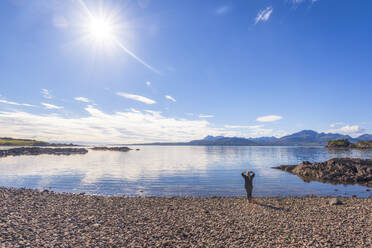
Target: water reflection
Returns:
[[182, 170], [100, 164]]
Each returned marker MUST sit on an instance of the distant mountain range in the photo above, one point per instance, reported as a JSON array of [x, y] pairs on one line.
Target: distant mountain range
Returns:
[[303, 138]]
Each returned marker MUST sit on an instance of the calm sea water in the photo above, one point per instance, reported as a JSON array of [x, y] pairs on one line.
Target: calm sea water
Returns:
[[175, 171]]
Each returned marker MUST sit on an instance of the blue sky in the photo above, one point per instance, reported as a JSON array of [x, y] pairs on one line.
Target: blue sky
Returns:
[[181, 70]]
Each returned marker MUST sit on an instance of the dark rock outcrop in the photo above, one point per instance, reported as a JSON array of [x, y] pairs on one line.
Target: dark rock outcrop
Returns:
[[118, 149], [336, 170], [39, 150]]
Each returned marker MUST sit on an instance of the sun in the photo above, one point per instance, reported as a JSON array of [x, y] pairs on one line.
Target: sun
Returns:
[[101, 30], [101, 27]]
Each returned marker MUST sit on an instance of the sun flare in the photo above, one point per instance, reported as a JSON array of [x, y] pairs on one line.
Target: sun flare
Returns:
[[101, 30]]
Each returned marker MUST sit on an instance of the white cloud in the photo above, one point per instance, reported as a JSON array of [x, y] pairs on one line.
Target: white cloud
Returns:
[[205, 116], [51, 106], [148, 83], [336, 124], [264, 15], [46, 94], [243, 127], [135, 110], [136, 98], [15, 103], [99, 127], [130, 126], [222, 10], [170, 98], [269, 118], [354, 129], [82, 99]]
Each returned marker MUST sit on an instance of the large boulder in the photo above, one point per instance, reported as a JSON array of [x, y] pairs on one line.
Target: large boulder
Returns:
[[336, 170], [335, 201]]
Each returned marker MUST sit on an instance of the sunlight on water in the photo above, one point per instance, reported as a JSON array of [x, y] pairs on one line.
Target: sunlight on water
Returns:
[[175, 170]]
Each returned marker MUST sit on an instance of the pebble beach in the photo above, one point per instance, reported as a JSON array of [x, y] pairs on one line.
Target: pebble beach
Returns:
[[29, 218]]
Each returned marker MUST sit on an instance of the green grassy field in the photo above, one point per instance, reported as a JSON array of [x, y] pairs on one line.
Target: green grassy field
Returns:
[[21, 142]]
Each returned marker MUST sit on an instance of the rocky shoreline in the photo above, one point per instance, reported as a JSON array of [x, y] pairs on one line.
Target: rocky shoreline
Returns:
[[336, 170], [30, 218], [18, 151], [41, 150], [117, 149]]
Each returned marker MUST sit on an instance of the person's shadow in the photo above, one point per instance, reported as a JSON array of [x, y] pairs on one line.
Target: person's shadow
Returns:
[[272, 207]]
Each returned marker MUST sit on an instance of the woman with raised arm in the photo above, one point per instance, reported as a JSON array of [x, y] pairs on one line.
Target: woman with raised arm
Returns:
[[248, 178]]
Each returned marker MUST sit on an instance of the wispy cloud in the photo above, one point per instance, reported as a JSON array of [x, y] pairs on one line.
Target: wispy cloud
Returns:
[[336, 124], [350, 130], [15, 103], [82, 99], [134, 110], [50, 106], [148, 83], [303, 1], [243, 127], [222, 10], [264, 15], [136, 98], [46, 94], [269, 118], [205, 116], [170, 98]]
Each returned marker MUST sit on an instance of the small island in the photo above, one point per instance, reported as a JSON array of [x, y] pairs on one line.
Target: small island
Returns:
[[336, 171], [41, 150], [116, 149], [346, 144]]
